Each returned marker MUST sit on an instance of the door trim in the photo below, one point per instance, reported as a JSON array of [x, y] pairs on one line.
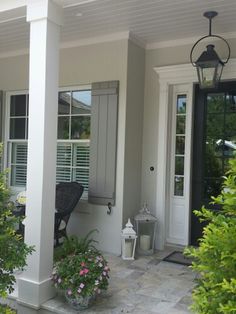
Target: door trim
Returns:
[[168, 76]]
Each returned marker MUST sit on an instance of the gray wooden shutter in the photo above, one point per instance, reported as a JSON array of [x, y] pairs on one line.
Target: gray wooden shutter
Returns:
[[102, 170]]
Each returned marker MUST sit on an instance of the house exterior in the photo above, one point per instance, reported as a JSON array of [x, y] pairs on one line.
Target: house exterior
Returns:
[[141, 142]]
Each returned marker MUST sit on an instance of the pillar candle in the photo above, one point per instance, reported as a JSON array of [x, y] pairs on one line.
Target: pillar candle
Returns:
[[128, 249], [145, 241]]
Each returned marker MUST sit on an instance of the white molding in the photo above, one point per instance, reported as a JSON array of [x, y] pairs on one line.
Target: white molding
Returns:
[[103, 39], [183, 41], [186, 73]]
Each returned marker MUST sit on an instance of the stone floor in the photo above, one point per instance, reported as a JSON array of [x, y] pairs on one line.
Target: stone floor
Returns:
[[147, 285]]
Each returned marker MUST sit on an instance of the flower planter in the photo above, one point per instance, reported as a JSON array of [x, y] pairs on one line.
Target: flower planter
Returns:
[[79, 302]]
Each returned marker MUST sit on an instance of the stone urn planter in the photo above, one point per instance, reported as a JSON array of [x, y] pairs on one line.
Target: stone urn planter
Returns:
[[79, 303], [81, 277]]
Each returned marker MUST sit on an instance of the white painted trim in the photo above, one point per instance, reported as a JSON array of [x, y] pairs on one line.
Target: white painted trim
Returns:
[[186, 73], [103, 39], [183, 41], [95, 40]]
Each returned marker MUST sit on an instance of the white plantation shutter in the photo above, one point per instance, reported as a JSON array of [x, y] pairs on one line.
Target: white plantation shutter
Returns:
[[18, 164], [73, 163], [102, 177], [81, 169], [64, 162]]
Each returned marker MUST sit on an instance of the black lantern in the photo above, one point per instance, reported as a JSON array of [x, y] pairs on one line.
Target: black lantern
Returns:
[[209, 65]]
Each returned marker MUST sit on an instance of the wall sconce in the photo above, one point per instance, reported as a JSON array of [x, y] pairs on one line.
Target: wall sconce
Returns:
[[209, 65]]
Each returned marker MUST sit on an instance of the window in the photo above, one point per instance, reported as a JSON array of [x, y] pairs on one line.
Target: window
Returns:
[[73, 144]]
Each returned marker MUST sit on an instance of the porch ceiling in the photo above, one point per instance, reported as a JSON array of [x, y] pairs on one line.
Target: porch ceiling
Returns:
[[150, 21]]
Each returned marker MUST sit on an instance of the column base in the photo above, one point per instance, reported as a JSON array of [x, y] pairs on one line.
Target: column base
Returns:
[[32, 294]]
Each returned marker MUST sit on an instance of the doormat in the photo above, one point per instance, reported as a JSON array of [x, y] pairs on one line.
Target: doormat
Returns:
[[178, 258]]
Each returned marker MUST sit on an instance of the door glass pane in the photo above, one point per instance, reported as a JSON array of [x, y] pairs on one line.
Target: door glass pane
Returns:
[[230, 124], [180, 130], [180, 143], [215, 103], [181, 104], [220, 143], [215, 126], [180, 124], [179, 186], [179, 165], [231, 102]]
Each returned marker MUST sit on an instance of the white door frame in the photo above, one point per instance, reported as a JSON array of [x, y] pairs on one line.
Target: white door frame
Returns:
[[168, 76]]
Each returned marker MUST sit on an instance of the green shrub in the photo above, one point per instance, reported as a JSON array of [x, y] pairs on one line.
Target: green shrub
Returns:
[[215, 259], [4, 309], [13, 251], [75, 245]]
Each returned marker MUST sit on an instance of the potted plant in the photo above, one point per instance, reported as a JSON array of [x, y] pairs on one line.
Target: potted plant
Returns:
[[81, 277]]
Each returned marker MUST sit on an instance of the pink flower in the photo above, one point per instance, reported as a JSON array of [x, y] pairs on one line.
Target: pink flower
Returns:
[[81, 272], [106, 268], [81, 285], [69, 292], [79, 290], [104, 273], [83, 264], [86, 270], [59, 280]]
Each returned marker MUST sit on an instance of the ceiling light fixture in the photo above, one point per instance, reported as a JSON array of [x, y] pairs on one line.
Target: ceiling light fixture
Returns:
[[209, 65]]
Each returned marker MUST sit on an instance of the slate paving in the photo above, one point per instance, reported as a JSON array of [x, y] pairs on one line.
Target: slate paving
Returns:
[[147, 285]]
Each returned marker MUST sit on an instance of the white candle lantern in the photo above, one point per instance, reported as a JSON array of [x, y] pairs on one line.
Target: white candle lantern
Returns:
[[129, 238], [145, 224]]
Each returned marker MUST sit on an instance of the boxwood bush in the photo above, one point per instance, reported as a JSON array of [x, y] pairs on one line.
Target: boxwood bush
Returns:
[[13, 251], [215, 259]]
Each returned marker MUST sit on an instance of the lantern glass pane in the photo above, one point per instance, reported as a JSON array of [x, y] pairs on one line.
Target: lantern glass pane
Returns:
[[145, 236], [206, 76], [219, 72], [129, 245]]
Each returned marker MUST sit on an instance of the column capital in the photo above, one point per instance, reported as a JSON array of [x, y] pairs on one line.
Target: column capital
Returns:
[[45, 9]]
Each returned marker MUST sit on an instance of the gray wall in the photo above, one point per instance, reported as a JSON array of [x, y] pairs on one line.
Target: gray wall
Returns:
[[134, 130], [83, 65]]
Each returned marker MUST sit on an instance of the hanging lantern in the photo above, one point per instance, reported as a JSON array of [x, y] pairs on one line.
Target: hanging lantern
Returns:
[[129, 238], [209, 65], [145, 224]]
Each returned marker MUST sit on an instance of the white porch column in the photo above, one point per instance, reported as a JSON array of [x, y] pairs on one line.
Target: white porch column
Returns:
[[45, 18]]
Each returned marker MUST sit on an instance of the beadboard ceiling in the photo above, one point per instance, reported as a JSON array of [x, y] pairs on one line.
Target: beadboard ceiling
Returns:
[[149, 21]]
